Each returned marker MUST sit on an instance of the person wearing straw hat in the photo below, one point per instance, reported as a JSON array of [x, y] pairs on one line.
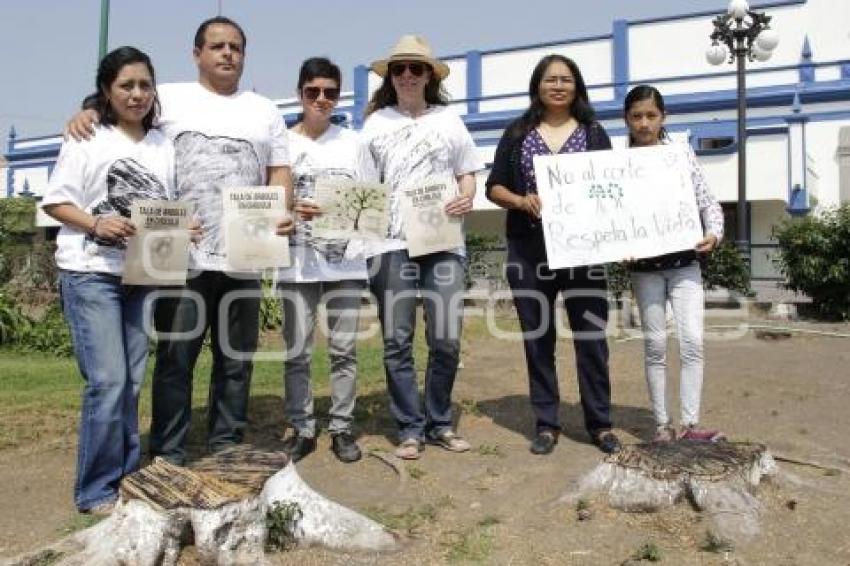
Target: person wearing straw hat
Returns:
[[410, 136]]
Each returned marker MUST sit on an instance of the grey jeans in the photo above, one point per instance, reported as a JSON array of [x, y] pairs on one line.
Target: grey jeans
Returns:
[[682, 286], [300, 305]]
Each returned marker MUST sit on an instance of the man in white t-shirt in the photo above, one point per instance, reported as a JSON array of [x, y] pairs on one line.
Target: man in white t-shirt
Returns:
[[223, 137]]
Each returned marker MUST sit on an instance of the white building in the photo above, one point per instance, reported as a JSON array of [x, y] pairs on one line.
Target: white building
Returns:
[[798, 120]]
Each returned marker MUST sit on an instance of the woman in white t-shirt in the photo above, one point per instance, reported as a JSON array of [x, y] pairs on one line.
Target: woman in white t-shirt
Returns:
[[90, 192], [321, 270], [411, 136]]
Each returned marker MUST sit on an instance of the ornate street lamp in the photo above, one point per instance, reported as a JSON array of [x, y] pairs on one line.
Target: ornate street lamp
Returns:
[[738, 35]]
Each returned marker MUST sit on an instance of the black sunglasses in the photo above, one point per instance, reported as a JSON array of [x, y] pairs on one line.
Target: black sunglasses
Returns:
[[313, 92], [416, 69]]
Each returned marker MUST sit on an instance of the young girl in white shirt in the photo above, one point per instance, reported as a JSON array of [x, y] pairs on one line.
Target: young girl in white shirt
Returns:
[[676, 278]]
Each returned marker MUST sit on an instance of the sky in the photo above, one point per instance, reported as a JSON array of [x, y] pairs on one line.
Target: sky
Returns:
[[50, 58]]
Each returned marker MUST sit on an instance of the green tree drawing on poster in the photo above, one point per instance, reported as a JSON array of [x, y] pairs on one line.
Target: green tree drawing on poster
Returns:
[[356, 200]]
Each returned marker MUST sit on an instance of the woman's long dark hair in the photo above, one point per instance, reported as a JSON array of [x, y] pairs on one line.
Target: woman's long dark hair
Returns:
[[580, 109], [108, 70], [639, 94], [435, 94]]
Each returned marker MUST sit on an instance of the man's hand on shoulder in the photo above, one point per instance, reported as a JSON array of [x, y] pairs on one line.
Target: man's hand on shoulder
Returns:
[[81, 126]]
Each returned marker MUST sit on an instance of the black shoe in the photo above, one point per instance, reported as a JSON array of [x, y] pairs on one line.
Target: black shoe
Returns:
[[544, 442], [608, 442], [344, 447], [299, 446]]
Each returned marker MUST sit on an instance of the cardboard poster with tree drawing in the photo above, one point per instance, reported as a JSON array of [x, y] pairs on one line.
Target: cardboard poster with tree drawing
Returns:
[[607, 206], [351, 210], [250, 219], [159, 252], [427, 227]]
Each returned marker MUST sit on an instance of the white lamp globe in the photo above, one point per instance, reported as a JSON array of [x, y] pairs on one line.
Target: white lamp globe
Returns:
[[738, 9], [768, 39], [760, 54], [716, 54]]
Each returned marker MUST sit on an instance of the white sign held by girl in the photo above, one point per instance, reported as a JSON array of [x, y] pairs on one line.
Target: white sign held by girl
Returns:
[[607, 206]]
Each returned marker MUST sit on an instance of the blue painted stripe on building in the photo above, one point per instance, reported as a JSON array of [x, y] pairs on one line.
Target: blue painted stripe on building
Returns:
[[620, 55], [361, 94], [704, 13], [750, 71], [790, 170], [10, 181], [473, 81], [543, 44], [18, 155]]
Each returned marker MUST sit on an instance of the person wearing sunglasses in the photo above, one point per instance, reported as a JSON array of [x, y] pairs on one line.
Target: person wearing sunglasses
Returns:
[[410, 135], [320, 270]]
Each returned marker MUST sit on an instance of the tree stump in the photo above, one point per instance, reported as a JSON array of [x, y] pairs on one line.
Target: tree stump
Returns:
[[219, 504], [718, 478]]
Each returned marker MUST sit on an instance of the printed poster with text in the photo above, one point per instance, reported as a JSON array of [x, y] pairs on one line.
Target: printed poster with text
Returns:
[[607, 206], [159, 252], [251, 215], [351, 210], [427, 227]]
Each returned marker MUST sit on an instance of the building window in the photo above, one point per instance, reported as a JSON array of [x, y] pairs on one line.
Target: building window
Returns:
[[715, 143]]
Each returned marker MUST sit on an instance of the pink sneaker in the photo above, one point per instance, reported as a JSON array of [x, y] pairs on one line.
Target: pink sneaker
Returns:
[[701, 435]]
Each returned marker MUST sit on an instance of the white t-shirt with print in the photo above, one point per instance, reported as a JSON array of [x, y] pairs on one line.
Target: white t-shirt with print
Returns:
[[219, 141], [401, 151], [333, 155], [103, 176]]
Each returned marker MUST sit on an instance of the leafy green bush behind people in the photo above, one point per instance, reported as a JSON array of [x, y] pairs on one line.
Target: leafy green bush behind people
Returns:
[[49, 333], [814, 257], [723, 269]]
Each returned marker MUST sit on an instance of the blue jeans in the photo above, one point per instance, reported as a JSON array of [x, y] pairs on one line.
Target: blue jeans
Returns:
[[107, 327], [394, 279]]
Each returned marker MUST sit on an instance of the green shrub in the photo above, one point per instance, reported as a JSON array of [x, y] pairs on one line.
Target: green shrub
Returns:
[[814, 257], [726, 269], [281, 524], [13, 322], [485, 258], [271, 316], [619, 280], [17, 216], [48, 334]]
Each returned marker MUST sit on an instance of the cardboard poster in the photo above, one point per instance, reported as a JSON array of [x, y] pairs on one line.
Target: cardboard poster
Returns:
[[351, 210], [250, 218], [159, 252], [427, 227], [607, 206]]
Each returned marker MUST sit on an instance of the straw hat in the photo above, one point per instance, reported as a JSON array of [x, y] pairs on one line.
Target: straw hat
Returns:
[[411, 48]]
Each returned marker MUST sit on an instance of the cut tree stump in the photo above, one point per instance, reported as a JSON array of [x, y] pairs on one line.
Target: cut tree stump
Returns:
[[219, 504], [720, 479]]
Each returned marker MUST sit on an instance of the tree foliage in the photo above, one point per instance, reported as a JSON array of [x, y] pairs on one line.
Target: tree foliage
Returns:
[[814, 257]]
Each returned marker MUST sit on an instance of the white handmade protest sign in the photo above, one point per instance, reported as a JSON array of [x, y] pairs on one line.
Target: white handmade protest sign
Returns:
[[351, 210], [606, 206], [427, 227], [250, 219]]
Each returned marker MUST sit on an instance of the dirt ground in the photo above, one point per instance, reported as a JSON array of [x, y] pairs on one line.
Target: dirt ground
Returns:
[[500, 505]]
